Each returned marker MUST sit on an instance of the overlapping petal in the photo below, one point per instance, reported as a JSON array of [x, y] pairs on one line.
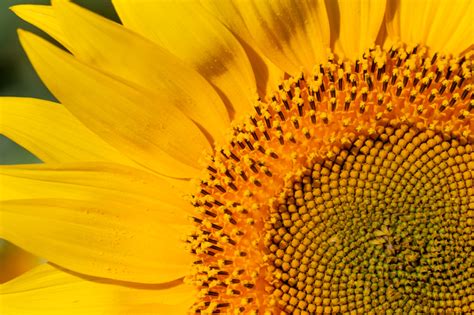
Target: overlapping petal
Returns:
[[49, 290], [293, 34], [188, 31], [171, 83], [53, 134], [73, 180], [99, 219], [43, 17], [157, 136], [354, 25], [267, 74], [442, 25]]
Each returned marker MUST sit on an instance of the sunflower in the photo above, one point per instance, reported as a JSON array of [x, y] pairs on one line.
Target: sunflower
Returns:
[[270, 157]]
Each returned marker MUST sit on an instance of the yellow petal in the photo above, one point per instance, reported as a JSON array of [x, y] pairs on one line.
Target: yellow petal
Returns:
[[192, 34], [442, 25], [267, 74], [109, 239], [354, 25], [95, 182], [43, 17], [152, 134], [112, 48], [227, 12], [51, 133], [48, 290], [292, 34], [100, 219], [185, 187]]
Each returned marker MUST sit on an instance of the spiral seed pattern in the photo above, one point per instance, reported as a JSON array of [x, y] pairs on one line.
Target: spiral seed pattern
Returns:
[[348, 189], [385, 226]]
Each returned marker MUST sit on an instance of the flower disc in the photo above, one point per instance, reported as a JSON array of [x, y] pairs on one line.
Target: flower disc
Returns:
[[347, 190]]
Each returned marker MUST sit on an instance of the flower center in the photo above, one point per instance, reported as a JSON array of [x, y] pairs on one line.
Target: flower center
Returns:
[[347, 190], [381, 226]]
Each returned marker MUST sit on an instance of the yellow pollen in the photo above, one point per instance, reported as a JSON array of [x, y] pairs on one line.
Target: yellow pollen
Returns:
[[348, 190]]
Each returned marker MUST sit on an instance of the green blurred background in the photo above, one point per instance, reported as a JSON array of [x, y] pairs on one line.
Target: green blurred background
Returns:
[[17, 78]]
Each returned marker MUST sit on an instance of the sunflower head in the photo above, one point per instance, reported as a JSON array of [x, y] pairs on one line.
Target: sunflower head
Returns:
[[349, 173], [337, 145]]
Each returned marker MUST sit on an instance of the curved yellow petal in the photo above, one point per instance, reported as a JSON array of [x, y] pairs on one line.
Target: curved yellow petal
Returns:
[[227, 12], [442, 25], [188, 31], [50, 132], [110, 239], [43, 17], [293, 34], [100, 219], [354, 25], [49, 290], [114, 49], [154, 135], [95, 182], [185, 187], [267, 74]]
